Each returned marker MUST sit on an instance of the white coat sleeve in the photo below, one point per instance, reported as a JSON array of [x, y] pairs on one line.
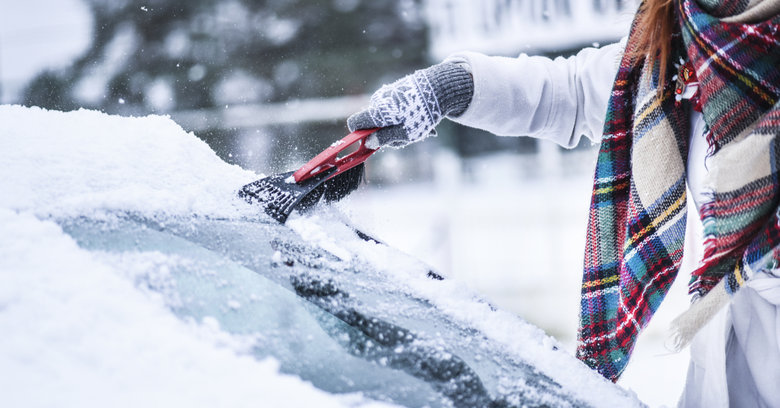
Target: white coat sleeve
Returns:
[[558, 99]]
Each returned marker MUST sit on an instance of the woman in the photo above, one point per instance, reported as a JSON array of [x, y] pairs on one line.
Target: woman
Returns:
[[663, 132]]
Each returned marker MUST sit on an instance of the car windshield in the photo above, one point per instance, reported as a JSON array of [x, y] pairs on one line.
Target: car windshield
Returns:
[[341, 325]]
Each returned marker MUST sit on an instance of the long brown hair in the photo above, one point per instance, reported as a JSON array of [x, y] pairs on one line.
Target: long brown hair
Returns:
[[654, 29]]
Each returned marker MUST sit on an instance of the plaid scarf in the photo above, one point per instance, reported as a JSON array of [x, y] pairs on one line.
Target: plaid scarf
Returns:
[[636, 225]]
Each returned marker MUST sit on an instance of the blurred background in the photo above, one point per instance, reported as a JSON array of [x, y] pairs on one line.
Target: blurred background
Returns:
[[269, 83]]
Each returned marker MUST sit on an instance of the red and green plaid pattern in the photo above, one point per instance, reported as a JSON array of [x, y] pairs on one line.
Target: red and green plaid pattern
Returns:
[[636, 225]]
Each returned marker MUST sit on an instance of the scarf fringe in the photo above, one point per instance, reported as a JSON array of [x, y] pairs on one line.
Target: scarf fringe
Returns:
[[684, 328]]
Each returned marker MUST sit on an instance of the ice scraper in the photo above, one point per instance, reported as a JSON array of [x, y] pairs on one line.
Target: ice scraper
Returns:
[[326, 175]]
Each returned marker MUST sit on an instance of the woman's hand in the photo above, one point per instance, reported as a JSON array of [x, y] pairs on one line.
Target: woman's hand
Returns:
[[409, 109]]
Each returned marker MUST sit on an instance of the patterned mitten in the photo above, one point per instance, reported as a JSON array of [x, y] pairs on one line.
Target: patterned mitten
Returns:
[[409, 109]]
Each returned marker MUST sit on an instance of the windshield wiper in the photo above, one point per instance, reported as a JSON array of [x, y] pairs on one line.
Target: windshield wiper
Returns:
[[393, 346]]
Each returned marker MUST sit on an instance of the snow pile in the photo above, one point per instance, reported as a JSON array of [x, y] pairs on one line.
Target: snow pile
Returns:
[[76, 331], [56, 163]]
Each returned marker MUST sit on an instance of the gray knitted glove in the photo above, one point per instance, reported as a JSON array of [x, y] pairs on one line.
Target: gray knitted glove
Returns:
[[409, 109]]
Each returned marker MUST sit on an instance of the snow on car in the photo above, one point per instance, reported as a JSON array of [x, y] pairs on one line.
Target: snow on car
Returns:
[[132, 274]]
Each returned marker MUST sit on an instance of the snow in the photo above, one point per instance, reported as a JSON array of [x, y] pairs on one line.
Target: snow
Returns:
[[99, 339], [76, 330], [59, 163], [456, 298]]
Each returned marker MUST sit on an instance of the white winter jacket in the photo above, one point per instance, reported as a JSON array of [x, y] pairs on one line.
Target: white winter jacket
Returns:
[[734, 361], [559, 100]]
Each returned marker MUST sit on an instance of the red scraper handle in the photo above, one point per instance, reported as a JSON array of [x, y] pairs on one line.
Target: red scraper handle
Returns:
[[329, 159]]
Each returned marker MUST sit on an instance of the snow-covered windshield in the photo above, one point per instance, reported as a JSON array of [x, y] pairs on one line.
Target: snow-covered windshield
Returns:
[[132, 272]]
